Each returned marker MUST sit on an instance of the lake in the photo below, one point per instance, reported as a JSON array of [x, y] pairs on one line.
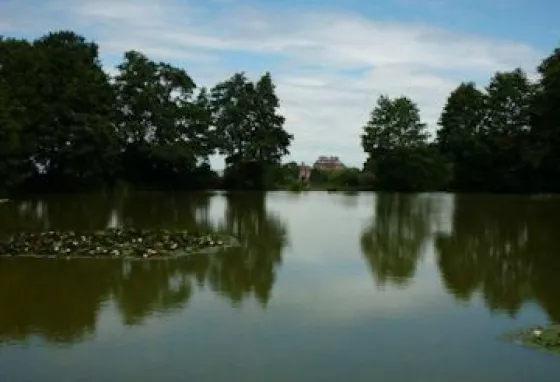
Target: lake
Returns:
[[326, 287]]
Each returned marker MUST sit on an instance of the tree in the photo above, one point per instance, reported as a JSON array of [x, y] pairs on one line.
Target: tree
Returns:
[[461, 126], [11, 159], [399, 156], [73, 104], [163, 126], [17, 66], [507, 124], [545, 125], [462, 119], [394, 123], [249, 130]]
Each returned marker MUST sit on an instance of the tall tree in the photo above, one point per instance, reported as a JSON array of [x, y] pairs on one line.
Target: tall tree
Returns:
[[17, 100], [394, 123], [545, 133], [461, 125], [507, 123], [10, 146], [249, 129], [75, 141], [462, 119], [164, 127], [399, 157]]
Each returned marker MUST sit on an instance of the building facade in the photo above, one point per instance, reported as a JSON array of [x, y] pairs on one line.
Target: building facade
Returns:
[[328, 163], [304, 172]]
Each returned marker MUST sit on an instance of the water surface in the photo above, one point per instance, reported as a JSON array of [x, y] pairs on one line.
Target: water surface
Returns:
[[326, 287]]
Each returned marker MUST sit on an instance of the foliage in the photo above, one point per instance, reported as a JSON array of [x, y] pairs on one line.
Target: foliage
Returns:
[[11, 160], [485, 133], [508, 103], [66, 125], [544, 151], [349, 178], [249, 131], [394, 123], [395, 139], [418, 169], [162, 126], [65, 105]]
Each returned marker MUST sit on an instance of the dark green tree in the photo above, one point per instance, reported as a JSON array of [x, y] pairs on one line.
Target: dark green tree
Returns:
[[12, 161], [399, 156], [18, 99], [461, 124], [394, 123], [73, 104], [165, 129], [545, 126], [249, 130], [507, 124]]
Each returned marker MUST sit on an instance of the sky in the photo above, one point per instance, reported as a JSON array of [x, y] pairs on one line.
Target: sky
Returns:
[[330, 59]]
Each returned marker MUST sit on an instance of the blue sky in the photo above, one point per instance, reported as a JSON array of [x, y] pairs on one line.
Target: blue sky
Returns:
[[330, 59]]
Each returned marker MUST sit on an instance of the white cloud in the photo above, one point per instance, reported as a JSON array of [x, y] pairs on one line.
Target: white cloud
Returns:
[[329, 67]]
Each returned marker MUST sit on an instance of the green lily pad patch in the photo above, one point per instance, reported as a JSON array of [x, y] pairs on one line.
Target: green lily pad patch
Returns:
[[544, 338], [112, 243]]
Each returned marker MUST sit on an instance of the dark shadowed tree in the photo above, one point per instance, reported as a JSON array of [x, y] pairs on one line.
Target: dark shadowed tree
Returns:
[[507, 124], [17, 100], [249, 130], [545, 123], [12, 159], [394, 123], [75, 144], [58, 112], [399, 156], [163, 126], [461, 124]]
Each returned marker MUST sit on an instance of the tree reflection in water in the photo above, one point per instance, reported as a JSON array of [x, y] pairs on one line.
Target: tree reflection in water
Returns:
[[505, 247], [393, 242], [60, 300]]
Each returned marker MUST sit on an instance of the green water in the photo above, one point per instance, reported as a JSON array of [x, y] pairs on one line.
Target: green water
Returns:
[[326, 287]]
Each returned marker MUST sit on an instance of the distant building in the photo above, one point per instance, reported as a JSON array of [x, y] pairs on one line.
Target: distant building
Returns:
[[304, 172], [327, 163]]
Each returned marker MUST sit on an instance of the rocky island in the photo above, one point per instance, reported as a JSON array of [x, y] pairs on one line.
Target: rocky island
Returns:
[[112, 243]]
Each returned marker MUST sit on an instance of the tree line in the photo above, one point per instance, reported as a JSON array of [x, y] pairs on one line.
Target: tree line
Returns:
[[67, 125], [503, 138]]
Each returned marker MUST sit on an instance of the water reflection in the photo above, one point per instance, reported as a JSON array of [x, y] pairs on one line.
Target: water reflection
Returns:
[[109, 209], [144, 288], [263, 236], [60, 300], [393, 242], [506, 248], [61, 212]]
